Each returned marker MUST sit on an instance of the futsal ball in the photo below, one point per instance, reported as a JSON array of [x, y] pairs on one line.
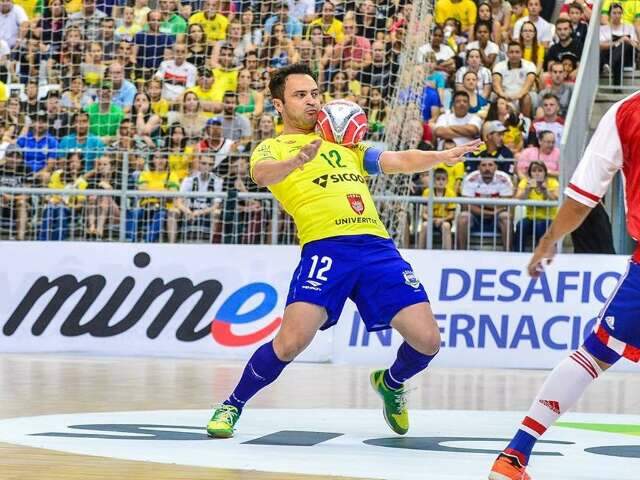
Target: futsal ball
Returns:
[[342, 122]]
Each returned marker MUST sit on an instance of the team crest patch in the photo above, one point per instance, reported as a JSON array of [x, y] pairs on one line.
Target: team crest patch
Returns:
[[356, 202], [411, 279]]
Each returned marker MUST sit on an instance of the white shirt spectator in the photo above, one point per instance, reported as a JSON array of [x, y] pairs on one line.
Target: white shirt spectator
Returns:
[[513, 79], [483, 74], [450, 119], [556, 127], [176, 78], [201, 183], [89, 25], [474, 186], [545, 29], [10, 24], [622, 30], [490, 49], [442, 55], [301, 8]]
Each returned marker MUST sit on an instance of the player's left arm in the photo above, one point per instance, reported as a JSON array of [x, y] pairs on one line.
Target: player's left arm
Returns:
[[415, 161]]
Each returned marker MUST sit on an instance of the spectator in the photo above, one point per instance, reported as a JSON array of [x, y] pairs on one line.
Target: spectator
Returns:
[[570, 64], [465, 11], [214, 23], [236, 42], [93, 68], [32, 106], [123, 90], [147, 123], [71, 53], [88, 20], [565, 44], [493, 136], [266, 129], [278, 50], [486, 182], [198, 50], [477, 102], [57, 119], [190, 117], [177, 75], [443, 213], [150, 45], [151, 216], [618, 42], [488, 50], [52, 25], [129, 28], [544, 28], [483, 74], [251, 33], [250, 102], [28, 56], [355, 48], [378, 74], [559, 88], [104, 209], [90, 145], [292, 26], [339, 88], [445, 56], [546, 152], [330, 25], [501, 12], [532, 51], [536, 186], [140, 11], [303, 10], [226, 75], [485, 15], [551, 120], [107, 38], [235, 127], [578, 25], [12, 19], [206, 93], [73, 99], [159, 105], [126, 56], [458, 125], [13, 208], [14, 117], [200, 214], [39, 147], [64, 212], [371, 25], [455, 172], [180, 155], [377, 113], [172, 23], [104, 115], [216, 145], [514, 79]]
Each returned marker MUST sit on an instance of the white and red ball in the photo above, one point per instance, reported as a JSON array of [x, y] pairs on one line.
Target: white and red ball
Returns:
[[342, 122]]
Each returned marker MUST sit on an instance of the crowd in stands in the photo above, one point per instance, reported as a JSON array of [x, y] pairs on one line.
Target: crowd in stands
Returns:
[[162, 95]]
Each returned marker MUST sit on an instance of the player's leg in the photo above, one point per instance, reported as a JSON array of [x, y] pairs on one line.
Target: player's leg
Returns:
[[617, 334], [300, 323]]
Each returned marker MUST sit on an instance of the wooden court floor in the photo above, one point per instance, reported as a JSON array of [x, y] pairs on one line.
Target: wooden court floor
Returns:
[[54, 384]]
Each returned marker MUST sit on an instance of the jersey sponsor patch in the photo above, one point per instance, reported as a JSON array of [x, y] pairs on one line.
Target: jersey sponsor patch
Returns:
[[356, 202], [411, 279]]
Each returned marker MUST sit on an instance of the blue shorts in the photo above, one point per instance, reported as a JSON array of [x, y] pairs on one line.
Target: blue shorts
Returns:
[[618, 324], [365, 268]]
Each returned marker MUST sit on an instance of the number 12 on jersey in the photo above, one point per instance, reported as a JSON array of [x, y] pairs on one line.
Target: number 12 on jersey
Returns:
[[325, 265]]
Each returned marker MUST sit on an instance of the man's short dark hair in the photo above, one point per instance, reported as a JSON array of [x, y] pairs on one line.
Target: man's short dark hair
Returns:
[[440, 171], [576, 6], [279, 79], [230, 94], [75, 117], [550, 95], [513, 43], [460, 93], [563, 20]]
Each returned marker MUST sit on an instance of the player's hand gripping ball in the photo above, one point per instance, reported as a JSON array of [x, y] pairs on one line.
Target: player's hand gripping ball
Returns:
[[342, 122]]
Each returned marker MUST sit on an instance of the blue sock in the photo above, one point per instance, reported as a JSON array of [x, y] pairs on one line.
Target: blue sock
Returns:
[[261, 370], [521, 446], [408, 362]]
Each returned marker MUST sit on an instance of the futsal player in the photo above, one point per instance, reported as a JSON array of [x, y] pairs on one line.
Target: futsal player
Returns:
[[615, 146], [346, 250]]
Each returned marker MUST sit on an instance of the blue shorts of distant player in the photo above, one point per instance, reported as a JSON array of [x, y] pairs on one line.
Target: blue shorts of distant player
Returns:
[[365, 268]]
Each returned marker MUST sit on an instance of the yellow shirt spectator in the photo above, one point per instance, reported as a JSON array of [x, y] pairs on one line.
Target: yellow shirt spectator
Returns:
[[515, 17], [160, 108], [180, 163], [159, 182], [465, 11], [72, 6], [441, 210], [455, 174], [215, 28], [223, 80], [210, 95], [335, 29], [527, 54], [630, 10], [541, 213], [56, 181], [32, 8], [4, 93]]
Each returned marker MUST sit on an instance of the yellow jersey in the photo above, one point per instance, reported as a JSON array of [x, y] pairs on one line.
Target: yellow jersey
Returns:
[[215, 28], [211, 95], [335, 29], [440, 210], [180, 163], [455, 173], [157, 181], [330, 197], [4, 93], [56, 181], [223, 80], [465, 12], [541, 213]]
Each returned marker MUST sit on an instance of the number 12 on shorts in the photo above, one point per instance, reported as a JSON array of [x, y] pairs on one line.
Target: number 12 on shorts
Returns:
[[325, 265]]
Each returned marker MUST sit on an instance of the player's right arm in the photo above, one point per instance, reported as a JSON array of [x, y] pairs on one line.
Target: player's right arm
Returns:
[[601, 160], [267, 170]]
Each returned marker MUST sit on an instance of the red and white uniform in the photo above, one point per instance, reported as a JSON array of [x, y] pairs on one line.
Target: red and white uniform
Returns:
[[176, 78], [615, 146]]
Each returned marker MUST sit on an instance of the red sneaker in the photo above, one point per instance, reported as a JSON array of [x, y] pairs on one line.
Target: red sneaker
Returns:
[[508, 467]]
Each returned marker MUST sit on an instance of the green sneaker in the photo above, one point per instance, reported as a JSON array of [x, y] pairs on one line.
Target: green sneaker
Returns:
[[395, 403], [222, 421]]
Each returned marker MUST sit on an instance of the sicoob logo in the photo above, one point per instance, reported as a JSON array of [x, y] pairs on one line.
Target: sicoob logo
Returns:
[[323, 180]]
